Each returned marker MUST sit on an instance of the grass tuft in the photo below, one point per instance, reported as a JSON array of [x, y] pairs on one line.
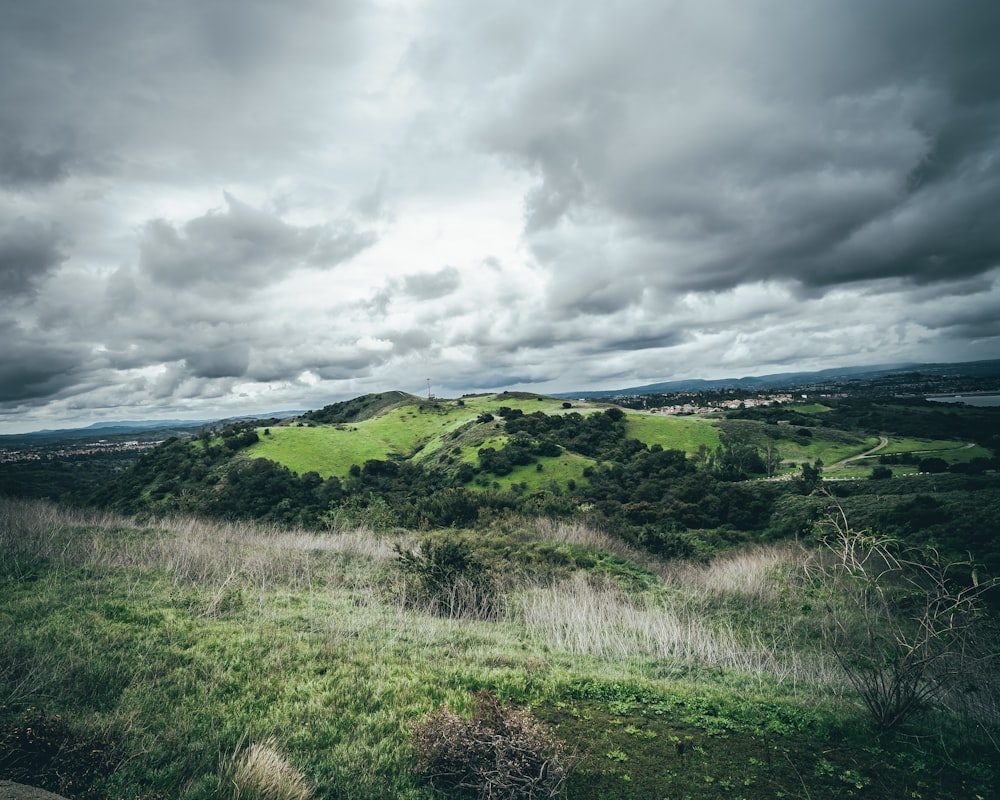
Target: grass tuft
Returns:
[[260, 772]]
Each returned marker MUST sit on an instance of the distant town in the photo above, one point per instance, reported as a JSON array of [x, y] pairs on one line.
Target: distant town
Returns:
[[725, 404], [63, 451]]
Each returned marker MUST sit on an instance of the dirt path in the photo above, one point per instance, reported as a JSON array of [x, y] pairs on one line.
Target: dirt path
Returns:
[[883, 441]]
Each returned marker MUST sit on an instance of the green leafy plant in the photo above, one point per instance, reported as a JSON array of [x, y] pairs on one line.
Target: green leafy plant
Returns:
[[446, 576]]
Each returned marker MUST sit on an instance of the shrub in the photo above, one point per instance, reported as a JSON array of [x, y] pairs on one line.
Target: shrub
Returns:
[[907, 626], [446, 576], [260, 772], [501, 753]]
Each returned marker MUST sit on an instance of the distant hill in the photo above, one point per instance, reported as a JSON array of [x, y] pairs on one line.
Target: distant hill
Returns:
[[796, 380], [170, 427]]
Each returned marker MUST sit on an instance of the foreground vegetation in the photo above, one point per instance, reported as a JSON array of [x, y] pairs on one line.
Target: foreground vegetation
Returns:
[[161, 659]]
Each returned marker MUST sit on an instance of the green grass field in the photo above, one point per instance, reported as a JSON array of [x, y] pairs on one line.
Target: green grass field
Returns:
[[443, 430], [557, 470], [950, 452], [166, 645], [828, 451], [328, 450], [673, 433], [808, 408]]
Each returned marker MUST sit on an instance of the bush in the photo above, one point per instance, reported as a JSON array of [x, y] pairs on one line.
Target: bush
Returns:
[[908, 627], [502, 753], [880, 473], [446, 576]]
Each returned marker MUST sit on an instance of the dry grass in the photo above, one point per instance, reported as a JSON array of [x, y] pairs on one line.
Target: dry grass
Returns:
[[219, 558], [599, 619], [581, 615], [753, 575], [260, 772], [578, 533], [186, 547]]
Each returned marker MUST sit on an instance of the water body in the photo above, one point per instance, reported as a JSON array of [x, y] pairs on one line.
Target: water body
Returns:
[[969, 399]]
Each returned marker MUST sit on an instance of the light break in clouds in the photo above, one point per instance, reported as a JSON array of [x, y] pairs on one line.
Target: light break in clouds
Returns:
[[238, 207]]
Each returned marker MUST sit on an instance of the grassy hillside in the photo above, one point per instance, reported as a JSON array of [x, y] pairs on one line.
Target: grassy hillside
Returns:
[[431, 431], [673, 433], [147, 654]]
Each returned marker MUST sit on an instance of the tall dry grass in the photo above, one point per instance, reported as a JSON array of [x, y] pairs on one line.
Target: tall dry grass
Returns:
[[583, 535], [581, 615], [260, 772], [216, 556], [691, 626]]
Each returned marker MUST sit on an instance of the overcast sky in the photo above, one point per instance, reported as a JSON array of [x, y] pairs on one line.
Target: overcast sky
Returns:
[[214, 207]]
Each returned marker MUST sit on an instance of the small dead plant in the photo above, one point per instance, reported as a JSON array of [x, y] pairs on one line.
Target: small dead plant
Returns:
[[501, 753]]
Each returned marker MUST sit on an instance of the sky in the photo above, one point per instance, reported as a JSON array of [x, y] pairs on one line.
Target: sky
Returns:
[[218, 207]]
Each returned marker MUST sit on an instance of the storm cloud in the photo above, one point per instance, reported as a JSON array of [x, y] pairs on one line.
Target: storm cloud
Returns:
[[241, 248], [29, 252], [208, 209]]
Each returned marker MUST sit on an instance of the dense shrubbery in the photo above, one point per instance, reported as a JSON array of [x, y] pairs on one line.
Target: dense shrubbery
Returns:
[[356, 409], [449, 579]]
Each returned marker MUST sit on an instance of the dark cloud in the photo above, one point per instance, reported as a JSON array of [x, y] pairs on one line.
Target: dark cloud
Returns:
[[637, 190], [747, 144], [229, 361], [27, 165], [29, 252], [241, 248], [432, 285], [32, 369]]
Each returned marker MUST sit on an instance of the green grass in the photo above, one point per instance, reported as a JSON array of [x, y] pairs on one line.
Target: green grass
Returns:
[[951, 452], [557, 470], [673, 433], [328, 450], [808, 408], [419, 430], [178, 640], [828, 451]]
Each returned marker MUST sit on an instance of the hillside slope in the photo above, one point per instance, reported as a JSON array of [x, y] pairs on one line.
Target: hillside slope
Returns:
[[446, 433]]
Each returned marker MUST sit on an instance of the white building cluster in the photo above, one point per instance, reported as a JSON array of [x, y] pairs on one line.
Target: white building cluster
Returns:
[[723, 405]]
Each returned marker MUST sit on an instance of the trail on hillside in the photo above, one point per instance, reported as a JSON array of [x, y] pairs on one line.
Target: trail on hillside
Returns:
[[883, 442]]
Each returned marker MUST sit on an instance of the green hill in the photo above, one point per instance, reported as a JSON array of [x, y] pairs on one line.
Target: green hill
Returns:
[[441, 433], [676, 486]]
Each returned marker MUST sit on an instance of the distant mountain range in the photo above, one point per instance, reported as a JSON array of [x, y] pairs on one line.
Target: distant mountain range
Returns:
[[796, 380], [168, 427]]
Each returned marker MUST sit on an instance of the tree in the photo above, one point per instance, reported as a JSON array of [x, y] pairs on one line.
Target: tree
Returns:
[[907, 626], [812, 474], [772, 458]]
